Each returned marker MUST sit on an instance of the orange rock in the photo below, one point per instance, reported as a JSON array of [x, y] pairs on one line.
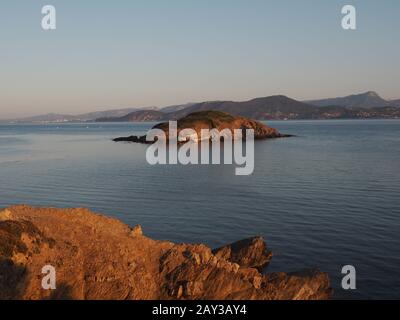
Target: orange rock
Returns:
[[97, 257]]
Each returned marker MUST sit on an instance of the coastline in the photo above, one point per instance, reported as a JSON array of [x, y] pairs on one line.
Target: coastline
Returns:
[[97, 257]]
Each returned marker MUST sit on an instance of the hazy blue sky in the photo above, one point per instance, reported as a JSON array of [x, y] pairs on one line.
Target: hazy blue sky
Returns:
[[111, 54]]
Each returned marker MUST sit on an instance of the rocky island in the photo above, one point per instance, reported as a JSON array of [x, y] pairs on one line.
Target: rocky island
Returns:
[[212, 120], [97, 257]]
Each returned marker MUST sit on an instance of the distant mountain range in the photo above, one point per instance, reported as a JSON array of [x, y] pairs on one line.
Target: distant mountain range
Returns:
[[269, 108], [368, 99], [136, 116], [90, 116], [358, 106], [395, 103]]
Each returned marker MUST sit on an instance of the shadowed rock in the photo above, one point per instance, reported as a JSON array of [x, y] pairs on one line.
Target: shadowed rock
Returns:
[[97, 257], [136, 139], [249, 253]]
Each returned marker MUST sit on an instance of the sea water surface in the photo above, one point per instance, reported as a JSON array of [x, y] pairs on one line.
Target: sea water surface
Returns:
[[326, 198]]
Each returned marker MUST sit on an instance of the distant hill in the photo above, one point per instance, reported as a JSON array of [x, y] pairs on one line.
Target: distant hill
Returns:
[[175, 108], [110, 113], [395, 103], [266, 108], [50, 117], [136, 116], [54, 117], [368, 99], [273, 107]]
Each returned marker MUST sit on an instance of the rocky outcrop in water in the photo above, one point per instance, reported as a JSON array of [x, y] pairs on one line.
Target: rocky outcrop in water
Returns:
[[96, 257], [212, 120]]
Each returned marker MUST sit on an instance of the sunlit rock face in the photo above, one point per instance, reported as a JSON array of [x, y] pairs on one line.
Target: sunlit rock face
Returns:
[[96, 257]]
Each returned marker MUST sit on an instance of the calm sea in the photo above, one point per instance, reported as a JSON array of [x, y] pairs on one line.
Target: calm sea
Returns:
[[326, 198]]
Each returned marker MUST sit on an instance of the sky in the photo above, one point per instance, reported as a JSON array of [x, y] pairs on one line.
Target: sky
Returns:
[[138, 53]]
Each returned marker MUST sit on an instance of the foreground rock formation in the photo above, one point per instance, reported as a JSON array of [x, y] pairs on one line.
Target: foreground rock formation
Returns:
[[97, 257], [212, 120]]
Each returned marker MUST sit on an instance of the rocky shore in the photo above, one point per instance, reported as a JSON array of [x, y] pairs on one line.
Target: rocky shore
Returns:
[[97, 257]]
